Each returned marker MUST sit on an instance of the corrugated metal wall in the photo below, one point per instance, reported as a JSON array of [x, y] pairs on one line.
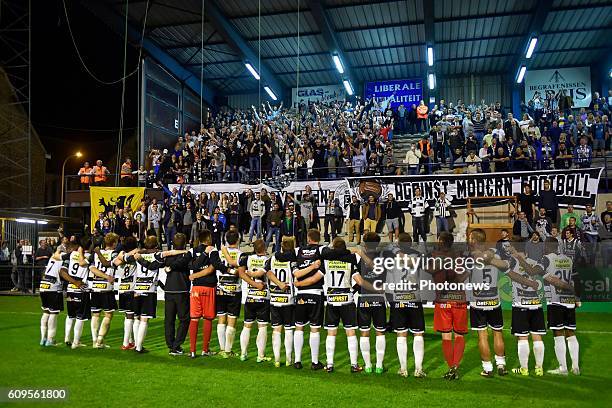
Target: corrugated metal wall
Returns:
[[244, 101], [491, 88]]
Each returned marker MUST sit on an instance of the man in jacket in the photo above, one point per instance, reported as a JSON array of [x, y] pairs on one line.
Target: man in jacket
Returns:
[[333, 212], [370, 213], [176, 288]]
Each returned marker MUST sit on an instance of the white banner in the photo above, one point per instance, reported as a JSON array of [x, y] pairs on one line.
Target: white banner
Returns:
[[575, 81], [323, 93], [296, 188]]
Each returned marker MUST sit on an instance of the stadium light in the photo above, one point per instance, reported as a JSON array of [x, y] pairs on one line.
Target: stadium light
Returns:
[[252, 70], [338, 64], [269, 91], [26, 220], [348, 87], [431, 81], [430, 56], [42, 222], [532, 45], [521, 74], [78, 154], [611, 73]]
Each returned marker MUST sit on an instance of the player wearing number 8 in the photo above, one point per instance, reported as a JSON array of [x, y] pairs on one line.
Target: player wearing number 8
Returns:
[[282, 306]]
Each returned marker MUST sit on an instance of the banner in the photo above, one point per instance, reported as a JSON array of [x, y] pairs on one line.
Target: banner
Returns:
[[322, 93], [105, 199], [575, 81], [578, 186], [295, 188], [401, 91]]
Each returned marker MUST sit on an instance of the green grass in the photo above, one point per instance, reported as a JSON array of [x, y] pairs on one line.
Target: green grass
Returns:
[[118, 378]]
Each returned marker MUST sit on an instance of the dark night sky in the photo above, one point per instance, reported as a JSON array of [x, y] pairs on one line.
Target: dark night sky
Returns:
[[65, 97]]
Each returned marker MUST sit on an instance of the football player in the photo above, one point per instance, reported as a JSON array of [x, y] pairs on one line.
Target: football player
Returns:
[[282, 306]]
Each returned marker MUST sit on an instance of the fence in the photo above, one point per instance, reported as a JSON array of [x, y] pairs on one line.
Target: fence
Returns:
[[24, 278]]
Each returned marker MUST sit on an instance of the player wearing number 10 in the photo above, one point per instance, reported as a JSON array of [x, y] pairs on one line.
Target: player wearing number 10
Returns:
[[282, 306]]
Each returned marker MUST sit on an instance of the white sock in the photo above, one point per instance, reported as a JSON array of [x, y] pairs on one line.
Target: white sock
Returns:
[[104, 326], [314, 340], [230, 333], [500, 360], [487, 366], [560, 352], [43, 326], [51, 327], [78, 331], [523, 353], [288, 344], [262, 338], [330, 349], [128, 325], [364, 346], [574, 351], [402, 351], [276, 345], [95, 326], [68, 329], [135, 328], [418, 349], [538, 352], [221, 328], [142, 332], [298, 343], [381, 345], [245, 335], [353, 349]]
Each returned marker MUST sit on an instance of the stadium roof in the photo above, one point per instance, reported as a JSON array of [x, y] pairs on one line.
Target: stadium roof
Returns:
[[376, 40]]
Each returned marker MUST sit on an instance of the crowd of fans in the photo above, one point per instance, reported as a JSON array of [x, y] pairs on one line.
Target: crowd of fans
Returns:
[[338, 139]]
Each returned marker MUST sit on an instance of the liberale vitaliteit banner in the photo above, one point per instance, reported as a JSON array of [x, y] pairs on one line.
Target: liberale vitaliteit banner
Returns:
[[407, 91], [575, 81]]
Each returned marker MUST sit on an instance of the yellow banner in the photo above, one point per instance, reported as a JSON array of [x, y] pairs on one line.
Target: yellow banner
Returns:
[[105, 199]]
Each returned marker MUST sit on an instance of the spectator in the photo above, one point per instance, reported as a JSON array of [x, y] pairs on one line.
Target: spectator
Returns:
[[85, 172], [549, 200], [127, 178], [274, 219], [257, 211], [417, 208], [393, 213], [570, 213], [333, 214], [442, 213], [100, 173], [371, 214], [413, 158], [354, 220], [527, 202], [521, 227], [421, 111]]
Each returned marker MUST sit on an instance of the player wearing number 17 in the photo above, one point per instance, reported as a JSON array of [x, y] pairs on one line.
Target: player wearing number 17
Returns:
[[341, 272]]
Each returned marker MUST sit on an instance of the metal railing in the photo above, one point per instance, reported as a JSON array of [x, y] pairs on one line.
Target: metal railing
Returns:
[[280, 174], [20, 279]]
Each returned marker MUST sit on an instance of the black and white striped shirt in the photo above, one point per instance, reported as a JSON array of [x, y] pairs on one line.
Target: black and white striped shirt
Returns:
[[442, 208], [418, 206]]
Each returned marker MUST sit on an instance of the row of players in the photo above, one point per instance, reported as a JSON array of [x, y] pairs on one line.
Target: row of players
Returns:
[[287, 289]]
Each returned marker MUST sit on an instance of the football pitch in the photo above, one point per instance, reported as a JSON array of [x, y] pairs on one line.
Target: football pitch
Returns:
[[112, 377]]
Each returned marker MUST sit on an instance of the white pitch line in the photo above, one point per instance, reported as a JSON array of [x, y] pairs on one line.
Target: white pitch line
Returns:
[[428, 327]]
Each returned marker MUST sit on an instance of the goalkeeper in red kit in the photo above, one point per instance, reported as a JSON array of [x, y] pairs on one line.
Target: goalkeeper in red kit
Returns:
[[450, 313]]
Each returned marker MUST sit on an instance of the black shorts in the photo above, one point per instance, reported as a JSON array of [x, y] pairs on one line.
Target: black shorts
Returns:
[[145, 305], [78, 305], [283, 316], [561, 317], [259, 311], [481, 319], [526, 321], [346, 313], [228, 305], [372, 315], [126, 302], [52, 302], [309, 310], [407, 318], [103, 301]]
